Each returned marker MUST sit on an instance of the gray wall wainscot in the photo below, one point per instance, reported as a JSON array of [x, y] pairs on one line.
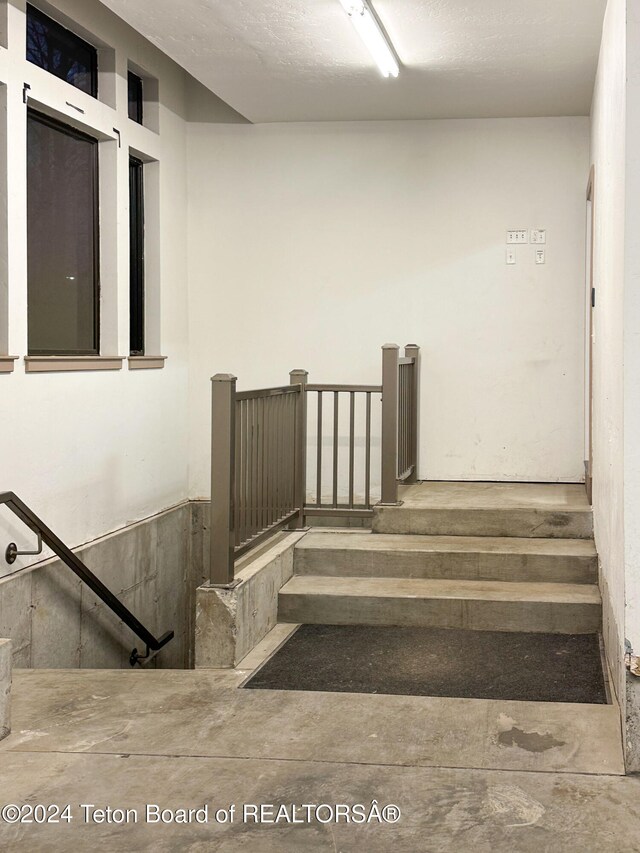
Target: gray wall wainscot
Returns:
[[153, 566]]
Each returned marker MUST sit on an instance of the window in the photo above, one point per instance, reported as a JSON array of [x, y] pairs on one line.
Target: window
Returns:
[[136, 256], [62, 233], [135, 97], [61, 52]]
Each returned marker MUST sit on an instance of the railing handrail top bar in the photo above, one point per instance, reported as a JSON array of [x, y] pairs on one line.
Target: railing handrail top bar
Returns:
[[402, 361], [374, 389], [268, 392]]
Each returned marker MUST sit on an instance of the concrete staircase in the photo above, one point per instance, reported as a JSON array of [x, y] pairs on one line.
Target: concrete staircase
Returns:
[[510, 557]]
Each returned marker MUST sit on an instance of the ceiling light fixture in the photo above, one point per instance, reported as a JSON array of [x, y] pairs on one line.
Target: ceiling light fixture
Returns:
[[371, 34]]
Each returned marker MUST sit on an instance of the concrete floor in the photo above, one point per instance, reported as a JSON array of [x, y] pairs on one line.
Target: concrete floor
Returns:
[[498, 776]]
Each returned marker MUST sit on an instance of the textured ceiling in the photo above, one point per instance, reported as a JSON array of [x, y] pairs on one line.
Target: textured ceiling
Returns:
[[301, 60]]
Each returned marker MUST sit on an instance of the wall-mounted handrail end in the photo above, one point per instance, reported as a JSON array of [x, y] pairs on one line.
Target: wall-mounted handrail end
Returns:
[[11, 553], [135, 658]]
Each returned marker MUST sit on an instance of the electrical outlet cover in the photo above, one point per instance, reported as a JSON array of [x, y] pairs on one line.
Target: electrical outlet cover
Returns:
[[521, 236], [538, 235], [511, 256], [540, 256]]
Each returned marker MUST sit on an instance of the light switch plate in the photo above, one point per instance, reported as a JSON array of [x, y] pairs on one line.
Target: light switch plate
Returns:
[[538, 235], [518, 236], [511, 256], [539, 256]]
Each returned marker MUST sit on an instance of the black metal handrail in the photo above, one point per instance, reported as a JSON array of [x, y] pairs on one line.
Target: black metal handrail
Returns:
[[28, 517]]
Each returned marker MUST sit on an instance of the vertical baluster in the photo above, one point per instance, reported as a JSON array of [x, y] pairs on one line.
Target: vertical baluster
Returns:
[[335, 447], [262, 457], [245, 467], [319, 453], [401, 418], [283, 468], [238, 471], [352, 432], [367, 454], [255, 463], [292, 399], [270, 403], [277, 462]]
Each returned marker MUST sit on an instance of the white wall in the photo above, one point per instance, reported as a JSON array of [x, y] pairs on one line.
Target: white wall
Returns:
[[96, 450], [310, 245], [608, 158], [632, 331]]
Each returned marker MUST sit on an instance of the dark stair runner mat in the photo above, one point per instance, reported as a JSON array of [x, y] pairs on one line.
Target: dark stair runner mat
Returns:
[[438, 662]]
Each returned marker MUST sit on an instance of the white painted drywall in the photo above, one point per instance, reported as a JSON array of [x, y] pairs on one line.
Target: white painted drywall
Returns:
[[608, 158], [310, 245], [91, 452]]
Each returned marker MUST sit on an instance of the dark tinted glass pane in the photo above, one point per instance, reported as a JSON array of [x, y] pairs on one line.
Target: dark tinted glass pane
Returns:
[[61, 52], [62, 217], [135, 97], [136, 255]]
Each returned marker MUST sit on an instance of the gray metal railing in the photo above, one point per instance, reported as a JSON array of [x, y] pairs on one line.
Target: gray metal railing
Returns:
[[260, 443], [256, 449], [353, 396]]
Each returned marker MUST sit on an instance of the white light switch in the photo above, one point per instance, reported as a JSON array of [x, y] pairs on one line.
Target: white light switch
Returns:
[[518, 236], [511, 256], [539, 256], [538, 236]]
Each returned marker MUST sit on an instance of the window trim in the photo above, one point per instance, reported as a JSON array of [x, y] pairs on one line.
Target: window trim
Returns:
[[93, 70], [35, 115], [136, 257]]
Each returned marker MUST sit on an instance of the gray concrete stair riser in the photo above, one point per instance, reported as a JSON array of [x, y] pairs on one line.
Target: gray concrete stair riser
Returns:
[[523, 523], [463, 565], [543, 616]]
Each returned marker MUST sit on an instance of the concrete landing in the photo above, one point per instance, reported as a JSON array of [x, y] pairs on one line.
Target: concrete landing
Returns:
[[191, 713], [489, 509], [442, 810], [507, 558], [478, 605], [185, 739]]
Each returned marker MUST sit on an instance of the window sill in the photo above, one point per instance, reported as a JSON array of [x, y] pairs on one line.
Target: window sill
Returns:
[[63, 363], [6, 363], [146, 362]]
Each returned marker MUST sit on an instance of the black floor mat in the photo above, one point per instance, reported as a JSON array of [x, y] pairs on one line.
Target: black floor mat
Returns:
[[438, 662]]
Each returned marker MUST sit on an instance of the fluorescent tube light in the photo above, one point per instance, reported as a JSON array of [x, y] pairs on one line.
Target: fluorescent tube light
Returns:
[[374, 39]]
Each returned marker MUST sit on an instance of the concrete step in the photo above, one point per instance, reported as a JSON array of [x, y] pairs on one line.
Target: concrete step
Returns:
[[523, 510], [454, 557], [479, 605]]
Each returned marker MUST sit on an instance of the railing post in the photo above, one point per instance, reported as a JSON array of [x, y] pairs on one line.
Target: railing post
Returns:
[[389, 424], [413, 351], [223, 434], [300, 377]]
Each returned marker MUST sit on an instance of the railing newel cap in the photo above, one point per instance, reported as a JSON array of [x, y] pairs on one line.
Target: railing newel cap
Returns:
[[390, 346], [224, 377]]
